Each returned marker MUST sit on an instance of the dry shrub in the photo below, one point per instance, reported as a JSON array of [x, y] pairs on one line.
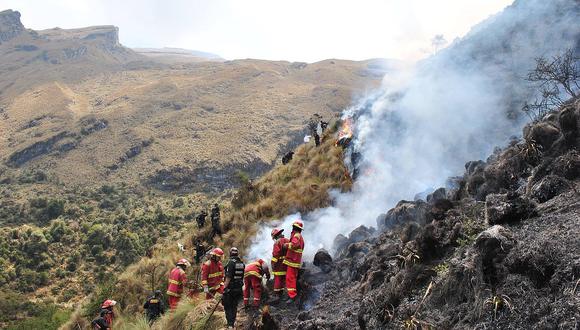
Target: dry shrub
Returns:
[[191, 314], [76, 321]]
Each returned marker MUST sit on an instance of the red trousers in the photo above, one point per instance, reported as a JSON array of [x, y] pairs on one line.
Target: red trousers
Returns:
[[291, 277], [279, 283], [173, 301], [252, 283]]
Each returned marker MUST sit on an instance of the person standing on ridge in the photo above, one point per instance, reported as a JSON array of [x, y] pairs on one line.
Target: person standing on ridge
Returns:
[[154, 306], [253, 274], [212, 274], [177, 280], [200, 219], [233, 286], [199, 250], [278, 266], [215, 221], [293, 259]]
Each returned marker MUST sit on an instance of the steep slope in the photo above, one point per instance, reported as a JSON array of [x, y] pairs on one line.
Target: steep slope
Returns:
[[505, 256]]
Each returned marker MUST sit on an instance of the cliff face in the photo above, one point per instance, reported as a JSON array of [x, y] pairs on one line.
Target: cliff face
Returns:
[[10, 25], [29, 58]]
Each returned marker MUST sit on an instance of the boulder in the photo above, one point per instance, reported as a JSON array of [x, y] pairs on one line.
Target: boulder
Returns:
[[340, 243], [323, 260], [360, 234], [549, 187], [543, 133], [437, 195], [569, 124], [507, 208], [405, 211], [492, 246]]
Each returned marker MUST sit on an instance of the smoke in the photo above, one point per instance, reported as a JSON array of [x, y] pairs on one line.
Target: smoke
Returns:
[[425, 123]]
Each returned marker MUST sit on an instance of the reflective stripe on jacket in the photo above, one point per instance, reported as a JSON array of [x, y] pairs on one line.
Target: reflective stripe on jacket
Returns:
[[294, 253], [177, 278], [254, 269], [212, 274], [278, 256]]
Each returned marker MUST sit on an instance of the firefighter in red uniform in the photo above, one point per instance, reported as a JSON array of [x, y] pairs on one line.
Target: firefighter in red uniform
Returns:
[[212, 274], [294, 258], [278, 256], [253, 281], [177, 280], [107, 310]]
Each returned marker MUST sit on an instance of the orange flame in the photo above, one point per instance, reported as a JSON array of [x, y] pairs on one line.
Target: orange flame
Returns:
[[346, 129]]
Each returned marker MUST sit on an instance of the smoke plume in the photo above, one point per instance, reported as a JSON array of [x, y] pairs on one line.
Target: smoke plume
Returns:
[[424, 124]]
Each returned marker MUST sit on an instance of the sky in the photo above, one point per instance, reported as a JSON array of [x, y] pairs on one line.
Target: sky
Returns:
[[297, 30]]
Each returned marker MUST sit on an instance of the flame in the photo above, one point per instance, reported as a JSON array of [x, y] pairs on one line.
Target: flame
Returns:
[[346, 129], [345, 132]]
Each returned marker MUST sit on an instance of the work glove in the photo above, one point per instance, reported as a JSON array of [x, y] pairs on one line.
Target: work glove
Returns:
[[205, 289]]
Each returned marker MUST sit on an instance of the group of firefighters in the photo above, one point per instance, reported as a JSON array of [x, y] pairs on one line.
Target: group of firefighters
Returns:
[[238, 280]]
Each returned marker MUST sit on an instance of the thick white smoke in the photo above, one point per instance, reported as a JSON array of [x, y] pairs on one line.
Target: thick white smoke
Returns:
[[457, 106]]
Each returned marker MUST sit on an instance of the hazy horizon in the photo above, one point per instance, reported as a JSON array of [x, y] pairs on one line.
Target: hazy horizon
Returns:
[[294, 31]]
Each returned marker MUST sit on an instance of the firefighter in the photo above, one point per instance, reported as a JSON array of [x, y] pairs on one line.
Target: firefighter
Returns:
[[278, 266], [107, 309], [212, 274], [154, 306], [233, 286], [215, 221], [200, 219], [177, 280], [293, 259], [253, 274]]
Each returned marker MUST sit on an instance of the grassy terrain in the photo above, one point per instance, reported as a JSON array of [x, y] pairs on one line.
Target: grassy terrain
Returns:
[[301, 185]]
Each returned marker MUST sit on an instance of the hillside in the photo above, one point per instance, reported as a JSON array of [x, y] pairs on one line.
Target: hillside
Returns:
[[155, 126], [105, 152]]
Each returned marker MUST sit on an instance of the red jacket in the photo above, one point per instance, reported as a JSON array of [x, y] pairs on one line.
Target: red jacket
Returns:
[[212, 274], [256, 269], [278, 256], [294, 254], [177, 280]]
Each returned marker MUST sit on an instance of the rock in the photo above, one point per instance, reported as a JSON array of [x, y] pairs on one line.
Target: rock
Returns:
[[492, 247], [360, 234], [323, 260], [567, 166], [437, 195], [507, 208], [405, 211], [474, 166], [543, 133], [549, 187], [569, 124], [10, 25], [340, 243]]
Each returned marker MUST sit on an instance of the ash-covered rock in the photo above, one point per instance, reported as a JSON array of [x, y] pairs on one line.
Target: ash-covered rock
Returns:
[[507, 208]]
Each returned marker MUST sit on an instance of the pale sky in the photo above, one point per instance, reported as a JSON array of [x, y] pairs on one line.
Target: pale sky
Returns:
[[296, 30]]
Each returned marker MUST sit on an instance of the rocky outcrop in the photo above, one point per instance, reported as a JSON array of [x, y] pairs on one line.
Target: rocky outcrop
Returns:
[[507, 208], [10, 25]]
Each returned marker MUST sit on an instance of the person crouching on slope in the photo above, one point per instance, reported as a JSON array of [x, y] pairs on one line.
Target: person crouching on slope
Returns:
[[177, 281], [212, 274], [253, 281], [293, 259]]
